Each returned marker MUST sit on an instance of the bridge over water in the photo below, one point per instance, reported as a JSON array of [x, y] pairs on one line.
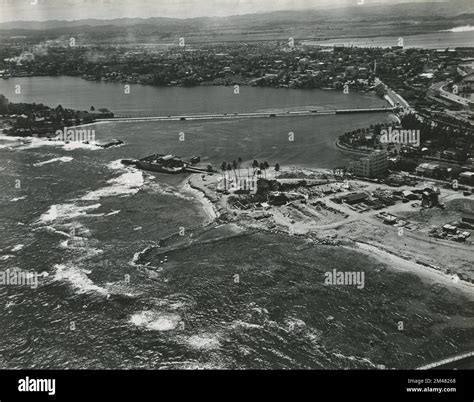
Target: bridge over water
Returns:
[[246, 115]]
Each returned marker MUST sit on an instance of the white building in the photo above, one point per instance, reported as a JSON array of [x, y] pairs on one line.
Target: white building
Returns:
[[373, 165]]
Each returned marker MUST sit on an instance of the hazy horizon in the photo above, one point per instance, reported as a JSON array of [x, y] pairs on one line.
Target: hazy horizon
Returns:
[[72, 10]]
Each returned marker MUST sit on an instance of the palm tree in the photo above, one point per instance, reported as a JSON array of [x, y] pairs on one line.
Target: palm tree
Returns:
[[223, 168], [239, 163], [228, 168], [254, 166], [234, 167]]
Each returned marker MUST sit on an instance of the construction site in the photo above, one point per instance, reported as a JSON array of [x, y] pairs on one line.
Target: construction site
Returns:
[[406, 221]]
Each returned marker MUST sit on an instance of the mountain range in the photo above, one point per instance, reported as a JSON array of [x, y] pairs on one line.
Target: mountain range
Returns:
[[356, 21]]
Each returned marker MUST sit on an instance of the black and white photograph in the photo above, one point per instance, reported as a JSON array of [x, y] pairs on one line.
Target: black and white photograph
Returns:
[[218, 186]]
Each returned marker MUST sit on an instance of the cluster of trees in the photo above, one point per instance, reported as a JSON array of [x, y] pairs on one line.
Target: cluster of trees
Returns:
[[42, 120], [442, 135], [446, 134], [357, 137], [258, 167]]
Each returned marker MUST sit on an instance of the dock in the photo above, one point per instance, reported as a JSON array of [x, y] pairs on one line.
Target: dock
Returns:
[[166, 164]]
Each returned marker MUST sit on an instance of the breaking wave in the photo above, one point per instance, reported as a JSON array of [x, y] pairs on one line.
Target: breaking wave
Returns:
[[127, 184], [204, 342], [155, 321], [18, 247], [64, 212], [63, 159], [33, 142], [464, 28], [18, 199], [77, 278]]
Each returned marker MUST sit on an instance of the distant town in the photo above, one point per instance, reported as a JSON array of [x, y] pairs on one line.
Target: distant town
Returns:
[[290, 64]]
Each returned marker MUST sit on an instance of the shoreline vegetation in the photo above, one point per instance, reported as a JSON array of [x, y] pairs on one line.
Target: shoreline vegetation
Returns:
[[355, 151], [39, 120], [416, 137]]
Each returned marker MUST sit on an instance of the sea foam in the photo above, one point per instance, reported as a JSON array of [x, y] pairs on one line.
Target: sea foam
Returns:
[[77, 278], [66, 211], [155, 321], [127, 184], [464, 28], [63, 159]]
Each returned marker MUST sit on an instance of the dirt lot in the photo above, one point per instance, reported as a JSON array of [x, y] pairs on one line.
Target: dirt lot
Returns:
[[438, 217]]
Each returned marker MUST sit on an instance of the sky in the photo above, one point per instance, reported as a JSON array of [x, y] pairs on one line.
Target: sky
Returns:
[[42, 10]]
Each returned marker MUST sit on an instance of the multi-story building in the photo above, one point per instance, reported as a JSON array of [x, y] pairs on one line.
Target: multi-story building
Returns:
[[373, 165]]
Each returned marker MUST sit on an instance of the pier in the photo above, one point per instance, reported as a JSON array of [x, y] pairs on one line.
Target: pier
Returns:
[[246, 115], [192, 169]]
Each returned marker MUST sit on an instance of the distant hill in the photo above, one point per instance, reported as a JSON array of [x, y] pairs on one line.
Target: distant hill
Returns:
[[404, 10], [55, 24], [367, 20]]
